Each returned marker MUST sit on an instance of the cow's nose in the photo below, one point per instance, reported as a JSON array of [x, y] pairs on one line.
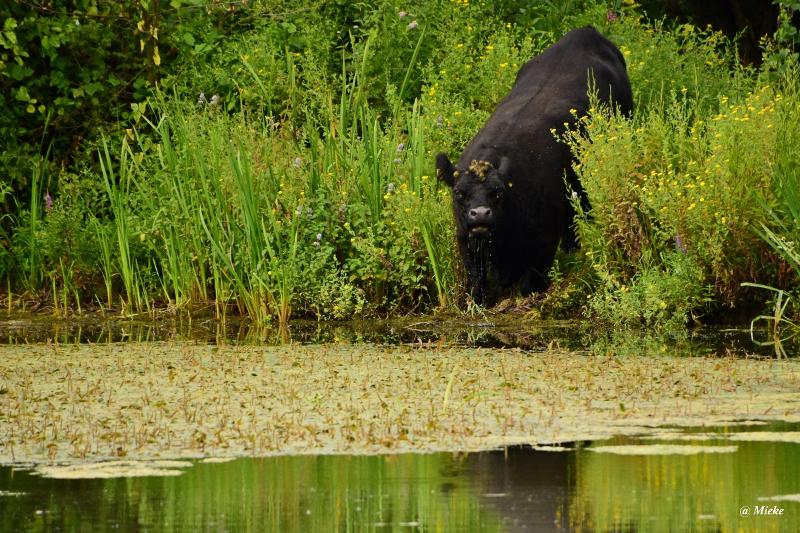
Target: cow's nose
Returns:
[[480, 215]]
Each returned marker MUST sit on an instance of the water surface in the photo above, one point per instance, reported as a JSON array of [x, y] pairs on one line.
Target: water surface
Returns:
[[517, 489], [482, 331]]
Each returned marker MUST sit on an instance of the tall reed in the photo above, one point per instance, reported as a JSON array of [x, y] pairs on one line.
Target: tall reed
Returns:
[[118, 188], [221, 215]]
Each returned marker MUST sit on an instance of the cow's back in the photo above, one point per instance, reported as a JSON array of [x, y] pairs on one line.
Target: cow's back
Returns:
[[549, 90]]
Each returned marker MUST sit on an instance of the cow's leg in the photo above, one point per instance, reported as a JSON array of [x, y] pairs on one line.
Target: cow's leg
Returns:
[[534, 280]]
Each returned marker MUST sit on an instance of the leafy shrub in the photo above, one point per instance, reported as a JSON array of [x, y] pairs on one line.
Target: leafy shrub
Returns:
[[662, 294], [674, 183]]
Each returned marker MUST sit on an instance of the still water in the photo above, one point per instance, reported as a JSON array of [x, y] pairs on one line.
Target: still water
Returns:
[[710, 480], [481, 331], [751, 486]]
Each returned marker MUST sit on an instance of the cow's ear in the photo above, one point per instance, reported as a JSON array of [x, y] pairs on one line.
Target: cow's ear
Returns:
[[445, 170]]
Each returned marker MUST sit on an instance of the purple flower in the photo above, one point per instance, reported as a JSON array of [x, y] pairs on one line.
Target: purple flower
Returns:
[[611, 16], [679, 244], [48, 201]]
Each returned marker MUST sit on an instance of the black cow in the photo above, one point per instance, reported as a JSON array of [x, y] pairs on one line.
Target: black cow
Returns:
[[509, 194]]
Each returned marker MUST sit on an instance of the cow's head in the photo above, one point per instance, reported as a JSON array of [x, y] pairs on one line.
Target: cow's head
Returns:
[[478, 193]]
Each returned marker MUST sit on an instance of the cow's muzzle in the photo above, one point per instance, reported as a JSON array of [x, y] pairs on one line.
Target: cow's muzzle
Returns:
[[479, 221]]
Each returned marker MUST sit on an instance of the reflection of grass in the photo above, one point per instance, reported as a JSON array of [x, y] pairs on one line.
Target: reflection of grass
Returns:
[[780, 324], [286, 494], [353, 493], [701, 492]]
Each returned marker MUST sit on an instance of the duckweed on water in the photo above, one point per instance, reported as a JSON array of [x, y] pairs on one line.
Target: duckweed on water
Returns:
[[114, 469], [88, 403], [768, 436], [662, 449]]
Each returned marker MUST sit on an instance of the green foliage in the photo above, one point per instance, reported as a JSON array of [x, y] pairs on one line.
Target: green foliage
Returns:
[[275, 158], [675, 183], [697, 63], [662, 294], [781, 50], [781, 226], [62, 64]]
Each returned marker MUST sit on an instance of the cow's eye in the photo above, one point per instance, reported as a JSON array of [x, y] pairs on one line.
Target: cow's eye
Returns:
[[498, 194], [458, 194]]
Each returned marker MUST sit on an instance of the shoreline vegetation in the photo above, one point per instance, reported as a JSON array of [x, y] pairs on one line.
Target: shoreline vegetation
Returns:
[[277, 162]]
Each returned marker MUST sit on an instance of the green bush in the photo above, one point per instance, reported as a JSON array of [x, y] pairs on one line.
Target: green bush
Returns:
[[675, 183]]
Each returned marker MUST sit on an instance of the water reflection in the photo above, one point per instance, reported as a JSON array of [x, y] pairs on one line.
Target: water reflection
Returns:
[[519, 489], [486, 332], [528, 490], [702, 492]]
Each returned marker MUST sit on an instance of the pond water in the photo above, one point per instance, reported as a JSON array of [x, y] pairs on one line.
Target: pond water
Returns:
[[731, 478], [492, 331], [622, 484]]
